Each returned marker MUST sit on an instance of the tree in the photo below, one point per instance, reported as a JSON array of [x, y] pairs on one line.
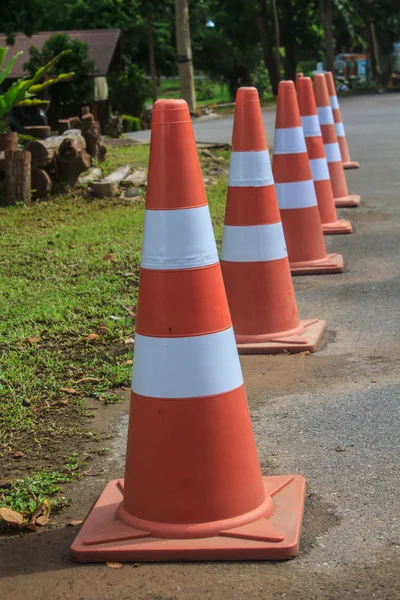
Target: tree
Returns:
[[75, 58]]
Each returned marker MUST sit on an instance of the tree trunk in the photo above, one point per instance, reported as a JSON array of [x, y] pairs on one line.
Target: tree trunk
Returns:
[[71, 160], [8, 141], [373, 52], [43, 151], [277, 39], [269, 58], [41, 183], [326, 14], [152, 58], [18, 176], [290, 61], [184, 50]]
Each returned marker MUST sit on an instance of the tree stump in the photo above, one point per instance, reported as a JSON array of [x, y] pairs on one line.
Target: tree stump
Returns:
[[43, 151], [40, 132], [8, 141], [91, 131], [18, 177], [115, 128], [108, 187], [71, 160], [41, 183]]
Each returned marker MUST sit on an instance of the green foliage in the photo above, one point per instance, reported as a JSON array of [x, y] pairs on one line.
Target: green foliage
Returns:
[[22, 91], [204, 89], [128, 91], [73, 57], [131, 123], [261, 80]]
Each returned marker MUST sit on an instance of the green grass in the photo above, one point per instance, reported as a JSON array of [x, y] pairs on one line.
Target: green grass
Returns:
[[219, 93], [68, 269]]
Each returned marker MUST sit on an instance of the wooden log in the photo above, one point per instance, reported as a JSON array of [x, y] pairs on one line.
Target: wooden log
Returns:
[[75, 123], [43, 151], [42, 183], [2, 161], [71, 160], [63, 126], [108, 187], [9, 141], [91, 131], [18, 177], [40, 132], [137, 178], [91, 175]]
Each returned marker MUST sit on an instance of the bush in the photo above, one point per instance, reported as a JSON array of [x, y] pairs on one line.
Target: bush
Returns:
[[261, 80], [204, 89], [131, 123], [128, 91]]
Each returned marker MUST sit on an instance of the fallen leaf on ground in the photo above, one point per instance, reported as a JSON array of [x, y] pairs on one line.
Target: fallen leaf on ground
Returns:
[[113, 565], [43, 520], [74, 523], [70, 391], [33, 340], [302, 354], [129, 362], [91, 337], [87, 379], [110, 258], [18, 455], [131, 310], [63, 401], [126, 389], [11, 516], [71, 246], [128, 341], [103, 330], [49, 251]]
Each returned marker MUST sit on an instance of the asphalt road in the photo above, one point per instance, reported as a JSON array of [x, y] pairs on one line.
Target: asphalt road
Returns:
[[332, 416]]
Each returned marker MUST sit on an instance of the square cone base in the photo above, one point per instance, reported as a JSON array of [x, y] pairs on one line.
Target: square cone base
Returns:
[[351, 164], [310, 341], [332, 263], [338, 227], [102, 538], [351, 201]]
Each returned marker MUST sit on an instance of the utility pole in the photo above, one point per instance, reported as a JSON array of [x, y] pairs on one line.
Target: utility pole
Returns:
[[184, 53]]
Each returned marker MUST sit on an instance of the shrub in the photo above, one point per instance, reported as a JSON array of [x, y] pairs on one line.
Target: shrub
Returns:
[[130, 123], [204, 89], [128, 91]]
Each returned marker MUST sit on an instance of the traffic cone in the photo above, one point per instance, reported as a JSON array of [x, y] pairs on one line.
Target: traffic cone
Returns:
[[319, 167], [332, 150], [298, 77], [296, 193], [193, 488], [254, 259], [340, 132]]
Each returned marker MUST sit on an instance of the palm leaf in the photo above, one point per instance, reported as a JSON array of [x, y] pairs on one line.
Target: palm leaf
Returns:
[[39, 87], [8, 68], [32, 102]]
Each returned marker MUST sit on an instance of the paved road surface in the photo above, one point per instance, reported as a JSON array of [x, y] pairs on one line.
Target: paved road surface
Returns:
[[332, 416]]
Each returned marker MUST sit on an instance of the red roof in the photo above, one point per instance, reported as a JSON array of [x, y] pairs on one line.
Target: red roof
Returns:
[[102, 45]]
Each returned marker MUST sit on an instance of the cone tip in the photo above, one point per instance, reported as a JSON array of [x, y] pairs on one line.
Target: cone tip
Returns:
[[244, 94], [170, 111]]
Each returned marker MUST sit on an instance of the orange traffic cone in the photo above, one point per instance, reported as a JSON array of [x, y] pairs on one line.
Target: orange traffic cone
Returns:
[[254, 259], [298, 77], [332, 150], [193, 488], [296, 193], [340, 132], [318, 164]]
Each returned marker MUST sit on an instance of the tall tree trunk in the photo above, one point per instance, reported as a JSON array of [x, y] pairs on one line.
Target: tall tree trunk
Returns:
[[326, 14], [184, 49], [290, 62], [152, 58], [373, 52], [277, 39], [267, 46]]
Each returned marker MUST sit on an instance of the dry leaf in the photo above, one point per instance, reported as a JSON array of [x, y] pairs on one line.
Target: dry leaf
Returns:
[[126, 389], [49, 251], [87, 379], [101, 398], [33, 340], [114, 565], [91, 337], [74, 523], [302, 354], [70, 391], [11, 516], [129, 362], [110, 258], [71, 246], [131, 310], [63, 401], [43, 520], [103, 330], [129, 340], [18, 455]]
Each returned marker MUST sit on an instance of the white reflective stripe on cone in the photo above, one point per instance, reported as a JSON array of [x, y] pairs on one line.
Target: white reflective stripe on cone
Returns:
[[334, 102], [250, 169], [311, 126], [186, 367], [325, 115], [339, 129], [298, 194], [253, 243], [332, 152], [319, 169], [178, 239], [289, 141]]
